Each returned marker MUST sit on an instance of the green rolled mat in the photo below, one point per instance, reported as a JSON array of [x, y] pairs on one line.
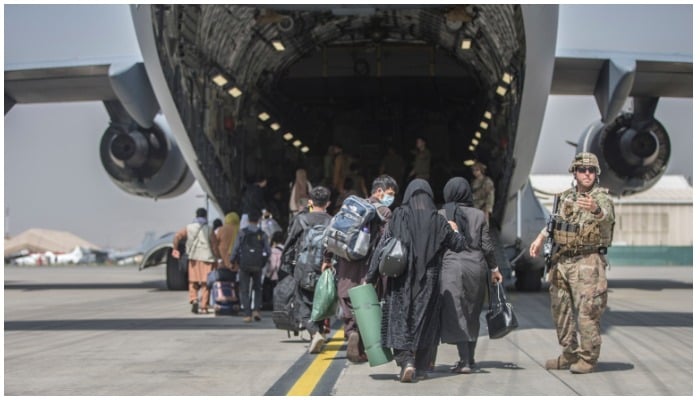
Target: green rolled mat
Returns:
[[368, 314]]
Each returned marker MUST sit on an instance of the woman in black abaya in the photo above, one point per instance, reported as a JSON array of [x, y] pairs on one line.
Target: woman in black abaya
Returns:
[[464, 274], [411, 311]]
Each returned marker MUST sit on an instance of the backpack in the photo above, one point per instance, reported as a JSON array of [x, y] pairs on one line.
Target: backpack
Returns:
[[253, 256], [284, 306], [348, 234], [309, 255]]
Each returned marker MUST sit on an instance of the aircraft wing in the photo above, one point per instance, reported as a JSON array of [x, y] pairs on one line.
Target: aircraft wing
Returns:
[[656, 75], [58, 84], [634, 147], [137, 149]]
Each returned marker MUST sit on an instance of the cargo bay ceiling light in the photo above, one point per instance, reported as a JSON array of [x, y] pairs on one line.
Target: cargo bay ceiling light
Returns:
[[507, 78], [235, 92], [483, 125], [275, 126], [277, 44], [471, 147], [288, 136], [466, 44], [296, 143], [501, 91], [305, 149], [263, 116], [478, 135], [475, 142], [219, 79], [487, 115], [468, 163]]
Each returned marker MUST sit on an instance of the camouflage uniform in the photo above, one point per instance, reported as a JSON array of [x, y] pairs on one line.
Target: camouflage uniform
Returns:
[[578, 282], [483, 194]]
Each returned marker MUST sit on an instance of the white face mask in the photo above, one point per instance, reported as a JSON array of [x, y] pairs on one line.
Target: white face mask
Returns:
[[387, 200]]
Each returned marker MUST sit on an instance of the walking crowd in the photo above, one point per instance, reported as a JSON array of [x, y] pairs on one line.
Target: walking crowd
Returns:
[[449, 264]]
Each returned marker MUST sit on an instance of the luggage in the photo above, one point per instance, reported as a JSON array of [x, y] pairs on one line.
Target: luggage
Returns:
[[348, 234], [223, 297], [253, 256], [284, 309], [220, 274], [307, 268]]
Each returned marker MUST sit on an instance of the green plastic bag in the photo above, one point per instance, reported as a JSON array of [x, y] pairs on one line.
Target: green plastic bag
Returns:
[[325, 296]]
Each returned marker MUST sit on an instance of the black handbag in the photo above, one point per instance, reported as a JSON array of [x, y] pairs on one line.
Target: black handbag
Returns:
[[183, 262], [393, 259], [500, 318]]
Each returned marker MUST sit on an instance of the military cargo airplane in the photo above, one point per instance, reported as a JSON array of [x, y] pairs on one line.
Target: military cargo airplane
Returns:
[[229, 92]]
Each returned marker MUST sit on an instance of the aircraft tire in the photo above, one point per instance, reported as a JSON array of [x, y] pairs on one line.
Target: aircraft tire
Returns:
[[175, 279], [529, 280]]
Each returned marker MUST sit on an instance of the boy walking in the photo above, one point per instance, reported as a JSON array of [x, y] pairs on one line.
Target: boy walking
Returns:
[[251, 252]]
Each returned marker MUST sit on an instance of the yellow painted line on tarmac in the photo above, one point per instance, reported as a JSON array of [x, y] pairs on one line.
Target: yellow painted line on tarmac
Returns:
[[310, 378]]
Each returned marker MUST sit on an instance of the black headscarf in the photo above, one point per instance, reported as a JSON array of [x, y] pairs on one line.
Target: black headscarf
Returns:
[[458, 192], [418, 225]]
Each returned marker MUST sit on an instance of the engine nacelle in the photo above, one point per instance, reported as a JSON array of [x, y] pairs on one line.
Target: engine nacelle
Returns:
[[633, 152], [145, 161]]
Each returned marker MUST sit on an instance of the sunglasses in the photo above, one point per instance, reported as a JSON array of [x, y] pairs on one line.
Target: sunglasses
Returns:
[[581, 170]]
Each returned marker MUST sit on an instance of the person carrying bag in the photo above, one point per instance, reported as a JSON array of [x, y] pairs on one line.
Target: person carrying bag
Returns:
[[500, 318]]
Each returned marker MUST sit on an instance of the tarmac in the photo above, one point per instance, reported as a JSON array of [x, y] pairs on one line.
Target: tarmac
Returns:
[[103, 330]]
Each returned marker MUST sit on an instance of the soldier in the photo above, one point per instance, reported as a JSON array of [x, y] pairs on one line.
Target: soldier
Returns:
[[583, 232], [482, 190], [421, 163]]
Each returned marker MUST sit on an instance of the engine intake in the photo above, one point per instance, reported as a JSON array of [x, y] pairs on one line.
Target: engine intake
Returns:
[[633, 152], [145, 161]]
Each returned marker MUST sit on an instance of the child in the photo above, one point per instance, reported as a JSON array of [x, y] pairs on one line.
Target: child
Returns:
[[271, 269]]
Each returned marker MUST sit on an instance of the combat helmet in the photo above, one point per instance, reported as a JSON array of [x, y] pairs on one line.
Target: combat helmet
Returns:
[[585, 159]]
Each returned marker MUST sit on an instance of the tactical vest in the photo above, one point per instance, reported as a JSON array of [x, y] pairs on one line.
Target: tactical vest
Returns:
[[198, 246], [575, 228]]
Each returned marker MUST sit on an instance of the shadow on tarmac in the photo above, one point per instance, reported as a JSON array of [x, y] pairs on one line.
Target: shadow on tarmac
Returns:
[[647, 284], [610, 319], [13, 285], [137, 324], [613, 366], [646, 318]]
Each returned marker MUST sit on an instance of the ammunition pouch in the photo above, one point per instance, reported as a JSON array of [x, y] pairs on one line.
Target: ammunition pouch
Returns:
[[565, 234], [589, 234], [595, 234]]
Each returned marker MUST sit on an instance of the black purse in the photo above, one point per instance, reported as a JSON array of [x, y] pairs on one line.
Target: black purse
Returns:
[[393, 258], [500, 318]]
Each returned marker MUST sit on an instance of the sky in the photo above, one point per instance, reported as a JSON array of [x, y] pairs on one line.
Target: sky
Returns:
[[53, 177]]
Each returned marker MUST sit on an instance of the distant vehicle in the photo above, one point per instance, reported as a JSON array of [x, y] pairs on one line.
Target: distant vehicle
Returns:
[[78, 255]]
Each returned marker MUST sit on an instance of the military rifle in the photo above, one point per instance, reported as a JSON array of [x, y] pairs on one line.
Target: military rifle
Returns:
[[549, 242]]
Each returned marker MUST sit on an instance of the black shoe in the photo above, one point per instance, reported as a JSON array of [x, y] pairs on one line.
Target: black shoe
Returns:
[[195, 307], [421, 374]]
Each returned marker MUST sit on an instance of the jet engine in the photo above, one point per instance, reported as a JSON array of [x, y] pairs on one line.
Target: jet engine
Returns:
[[633, 152], [145, 161]]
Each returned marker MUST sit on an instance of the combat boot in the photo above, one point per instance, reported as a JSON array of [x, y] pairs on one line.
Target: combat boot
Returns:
[[582, 367], [561, 362]]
